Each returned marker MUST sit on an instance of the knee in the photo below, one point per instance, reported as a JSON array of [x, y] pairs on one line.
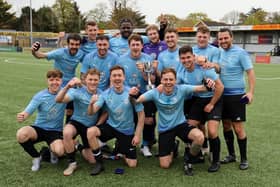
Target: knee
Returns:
[[212, 133], [22, 136], [58, 148], [239, 131], [198, 137], [59, 152], [227, 125], [92, 132], [164, 164], [67, 134], [132, 163]]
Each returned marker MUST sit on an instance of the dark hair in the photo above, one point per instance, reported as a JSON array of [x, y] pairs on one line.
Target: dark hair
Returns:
[[125, 20], [92, 71], [91, 23], [226, 30], [168, 70], [54, 73], [116, 67], [203, 29], [135, 37], [102, 37], [185, 49], [170, 29], [75, 37]]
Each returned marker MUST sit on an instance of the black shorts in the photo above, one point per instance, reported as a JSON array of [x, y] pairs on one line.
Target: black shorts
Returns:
[[187, 106], [167, 138], [150, 109], [233, 109], [46, 135], [70, 106], [197, 110], [81, 130], [126, 148]]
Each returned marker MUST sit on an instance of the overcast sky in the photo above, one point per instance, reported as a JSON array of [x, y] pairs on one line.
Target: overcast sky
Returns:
[[215, 9]]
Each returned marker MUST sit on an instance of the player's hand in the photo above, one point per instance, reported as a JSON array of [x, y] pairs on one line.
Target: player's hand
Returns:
[[200, 60], [250, 96], [155, 64], [21, 117], [74, 82], [135, 141], [208, 108], [133, 91], [140, 66], [36, 46], [93, 99], [209, 84]]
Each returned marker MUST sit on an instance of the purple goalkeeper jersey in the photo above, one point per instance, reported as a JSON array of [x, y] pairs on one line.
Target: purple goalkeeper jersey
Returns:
[[154, 49]]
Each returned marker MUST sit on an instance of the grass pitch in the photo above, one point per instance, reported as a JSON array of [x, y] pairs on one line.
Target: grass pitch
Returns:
[[22, 76]]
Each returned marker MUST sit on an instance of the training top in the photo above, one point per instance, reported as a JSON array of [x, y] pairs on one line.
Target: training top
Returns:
[[119, 45], [210, 52], [65, 62], [81, 99], [50, 114], [169, 59], [195, 77], [120, 109], [133, 77], [102, 64], [170, 107], [233, 62]]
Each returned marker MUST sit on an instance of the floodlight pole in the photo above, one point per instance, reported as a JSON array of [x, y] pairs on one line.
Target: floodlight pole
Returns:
[[30, 8]]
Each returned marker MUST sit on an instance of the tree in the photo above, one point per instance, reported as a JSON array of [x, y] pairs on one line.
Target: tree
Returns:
[[45, 21], [274, 17], [253, 17], [99, 13], [7, 19], [196, 17], [23, 23], [122, 10], [69, 17], [172, 19], [231, 18]]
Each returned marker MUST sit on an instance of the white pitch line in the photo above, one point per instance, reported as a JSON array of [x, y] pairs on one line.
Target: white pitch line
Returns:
[[26, 63], [268, 79]]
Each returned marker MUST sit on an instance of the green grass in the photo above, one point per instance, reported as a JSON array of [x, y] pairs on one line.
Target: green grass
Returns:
[[22, 76]]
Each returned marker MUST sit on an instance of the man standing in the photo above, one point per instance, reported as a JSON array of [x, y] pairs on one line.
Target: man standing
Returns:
[[171, 120], [65, 59], [153, 48], [119, 45], [205, 106], [133, 63], [203, 48], [88, 44], [234, 61], [170, 57], [102, 60], [48, 124], [80, 121], [120, 123], [205, 53]]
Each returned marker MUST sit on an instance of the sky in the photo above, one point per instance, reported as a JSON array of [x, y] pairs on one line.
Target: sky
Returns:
[[215, 9]]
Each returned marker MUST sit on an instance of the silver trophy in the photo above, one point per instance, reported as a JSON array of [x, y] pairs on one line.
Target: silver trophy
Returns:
[[148, 68]]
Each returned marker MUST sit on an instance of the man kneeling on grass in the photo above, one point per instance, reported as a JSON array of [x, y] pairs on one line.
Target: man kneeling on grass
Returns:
[[48, 124], [169, 100], [120, 124]]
